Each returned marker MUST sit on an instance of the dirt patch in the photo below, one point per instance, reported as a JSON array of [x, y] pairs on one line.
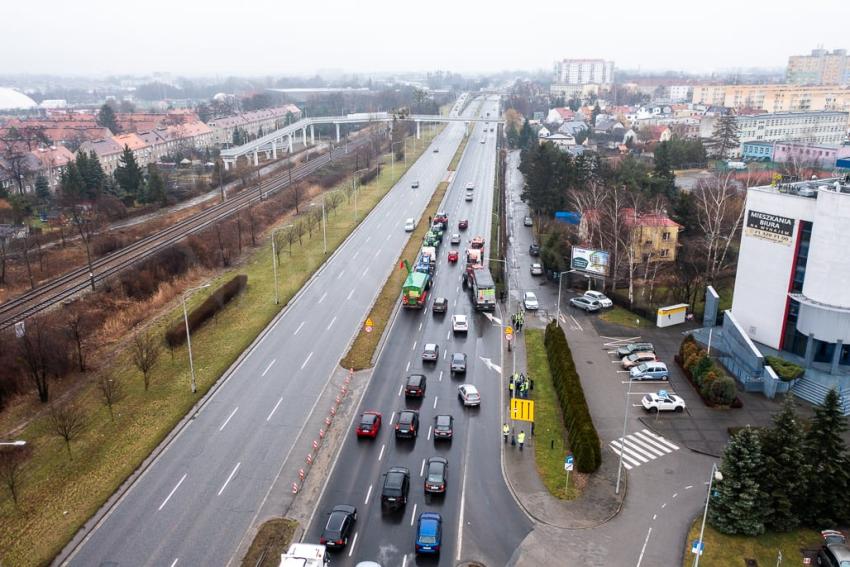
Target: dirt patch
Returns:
[[272, 539]]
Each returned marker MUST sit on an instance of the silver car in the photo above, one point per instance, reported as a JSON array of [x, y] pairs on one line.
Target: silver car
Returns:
[[589, 305]]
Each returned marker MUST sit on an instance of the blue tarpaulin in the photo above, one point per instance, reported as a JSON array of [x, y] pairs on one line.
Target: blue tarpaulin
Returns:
[[568, 217]]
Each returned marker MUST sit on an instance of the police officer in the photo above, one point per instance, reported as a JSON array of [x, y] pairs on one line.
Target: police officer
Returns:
[[521, 438], [505, 431]]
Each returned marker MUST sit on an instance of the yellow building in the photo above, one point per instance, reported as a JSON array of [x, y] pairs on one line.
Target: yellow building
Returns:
[[774, 98], [654, 236], [819, 68]]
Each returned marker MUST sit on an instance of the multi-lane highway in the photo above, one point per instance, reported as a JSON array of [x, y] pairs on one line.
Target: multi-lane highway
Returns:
[[481, 521], [197, 499]]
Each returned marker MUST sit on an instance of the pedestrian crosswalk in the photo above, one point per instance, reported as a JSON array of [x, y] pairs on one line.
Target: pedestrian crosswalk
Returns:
[[641, 447]]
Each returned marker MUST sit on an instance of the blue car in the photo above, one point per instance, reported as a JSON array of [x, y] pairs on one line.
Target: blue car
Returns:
[[429, 535]]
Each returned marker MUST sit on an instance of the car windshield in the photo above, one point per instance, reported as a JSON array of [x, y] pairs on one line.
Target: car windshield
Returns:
[[427, 539], [367, 419], [435, 475], [642, 367], [405, 418], [443, 420], [457, 358]]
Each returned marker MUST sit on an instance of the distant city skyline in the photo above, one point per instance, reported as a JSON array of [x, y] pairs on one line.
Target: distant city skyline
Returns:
[[194, 38]]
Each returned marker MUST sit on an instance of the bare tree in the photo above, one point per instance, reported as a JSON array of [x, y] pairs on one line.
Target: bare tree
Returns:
[[252, 224], [68, 422], [27, 260], [335, 200], [225, 258], [76, 323], [12, 461], [111, 392], [86, 223], [146, 350], [36, 352], [720, 210]]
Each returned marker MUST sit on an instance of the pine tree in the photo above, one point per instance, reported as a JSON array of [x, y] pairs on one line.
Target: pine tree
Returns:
[[71, 185], [42, 188], [739, 507], [664, 180], [827, 480], [129, 174], [785, 469], [725, 137], [106, 118], [156, 187]]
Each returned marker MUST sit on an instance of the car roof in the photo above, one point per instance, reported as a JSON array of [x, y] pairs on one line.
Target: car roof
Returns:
[[459, 317], [469, 388], [530, 294], [441, 300], [441, 460], [409, 413], [368, 417], [444, 418], [415, 377], [401, 470], [458, 355], [430, 346]]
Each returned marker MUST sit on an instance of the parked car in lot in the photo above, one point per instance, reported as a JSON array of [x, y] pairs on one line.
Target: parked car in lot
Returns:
[[536, 269], [460, 324], [631, 348], [527, 221], [458, 364], [410, 225], [585, 304], [468, 394], [369, 424], [395, 488], [453, 256], [436, 475], [455, 239], [429, 533], [443, 427], [834, 552], [534, 249], [462, 224], [603, 299], [407, 425], [653, 370], [338, 527], [431, 352], [529, 300], [414, 387], [441, 305], [636, 358], [663, 401]]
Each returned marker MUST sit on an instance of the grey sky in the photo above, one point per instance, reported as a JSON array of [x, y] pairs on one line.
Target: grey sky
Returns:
[[250, 37]]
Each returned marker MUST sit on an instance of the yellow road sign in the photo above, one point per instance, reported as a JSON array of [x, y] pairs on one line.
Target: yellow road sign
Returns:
[[522, 410], [509, 330], [369, 323]]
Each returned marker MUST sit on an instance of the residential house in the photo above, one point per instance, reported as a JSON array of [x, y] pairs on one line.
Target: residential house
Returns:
[[654, 236], [573, 127], [559, 115], [562, 141], [49, 162], [108, 152]]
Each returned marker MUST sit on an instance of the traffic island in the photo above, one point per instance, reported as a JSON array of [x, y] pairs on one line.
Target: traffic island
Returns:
[[272, 540]]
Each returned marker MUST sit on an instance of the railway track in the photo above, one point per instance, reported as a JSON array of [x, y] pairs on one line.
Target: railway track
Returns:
[[80, 279]]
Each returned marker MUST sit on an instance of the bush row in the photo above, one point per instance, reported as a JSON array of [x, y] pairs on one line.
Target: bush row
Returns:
[[584, 440], [713, 384], [176, 335], [786, 370]]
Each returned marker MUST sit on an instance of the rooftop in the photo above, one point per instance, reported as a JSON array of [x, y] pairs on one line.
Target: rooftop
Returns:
[[808, 189]]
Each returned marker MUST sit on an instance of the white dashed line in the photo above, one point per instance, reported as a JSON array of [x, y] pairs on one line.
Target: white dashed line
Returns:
[[340, 274], [331, 324], [366, 271], [173, 563], [226, 421], [274, 409], [269, 366], [428, 438], [435, 401], [324, 295], [229, 478], [381, 454], [299, 328], [401, 388], [408, 366], [306, 360], [422, 470], [353, 543], [350, 293], [413, 515], [643, 549], [368, 494], [414, 345], [441, 376], [170, 494]]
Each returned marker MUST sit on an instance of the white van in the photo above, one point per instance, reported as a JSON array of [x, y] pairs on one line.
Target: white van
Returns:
[[410, 225]]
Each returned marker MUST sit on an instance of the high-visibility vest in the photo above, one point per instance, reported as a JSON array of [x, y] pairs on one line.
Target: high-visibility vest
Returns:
[[521, 437]]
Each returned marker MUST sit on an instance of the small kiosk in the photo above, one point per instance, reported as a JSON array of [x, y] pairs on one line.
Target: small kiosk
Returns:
[[671, 315]]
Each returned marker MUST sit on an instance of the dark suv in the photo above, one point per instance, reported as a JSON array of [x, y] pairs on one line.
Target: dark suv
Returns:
[[408, 424], [415, 386], [396, 487]]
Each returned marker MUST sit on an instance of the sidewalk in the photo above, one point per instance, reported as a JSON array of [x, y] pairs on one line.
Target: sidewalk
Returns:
[[597, 503]]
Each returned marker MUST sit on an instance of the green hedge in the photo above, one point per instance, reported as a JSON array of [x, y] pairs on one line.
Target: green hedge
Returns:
[[176, 334], [584, 440], [786, 370], [713, 384]]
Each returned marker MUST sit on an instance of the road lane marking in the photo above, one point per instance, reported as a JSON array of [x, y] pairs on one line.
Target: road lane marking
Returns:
[[368, 238], [654, 516], [675, 494], [643, 549], [435, 401], [368, 494], [269, 366], [392, 418], [381, 455], [429, 434], [176, 559], [408, 366], [414, 345], [378, 252], [229, 478], [420, 325], [173, 490], [226, 421], [462, 507], [422, 470], [401, 387], [448, 336], [299, 328], [690, 486], [350, 293], [331, 324], [353, 543], [274, 409], [389, 236], [340, 274], [321, 299], [404, 561], [445, 352], [366, 271], [413, 515], [441, 376], [306, 360], [355, 255], [457, 289]]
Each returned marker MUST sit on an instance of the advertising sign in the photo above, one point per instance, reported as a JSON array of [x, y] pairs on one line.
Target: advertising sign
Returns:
[[769, 227], [591, 261]]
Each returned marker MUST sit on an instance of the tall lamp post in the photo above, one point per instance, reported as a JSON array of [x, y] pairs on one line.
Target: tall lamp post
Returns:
[[354, 184], [392, 155], [718, 476], [274, 262], [623, 438], [188, 334], [324, 228]]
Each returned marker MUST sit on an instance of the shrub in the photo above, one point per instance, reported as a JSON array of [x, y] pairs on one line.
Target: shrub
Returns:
[[583, 438], [688, 343], [708, 379], [176, 335], [722, 391], [703, 365], [785, 369], [691, 362]]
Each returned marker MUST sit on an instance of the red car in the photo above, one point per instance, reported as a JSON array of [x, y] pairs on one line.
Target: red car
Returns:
[[453, 256], [369, 425], [463, 224]]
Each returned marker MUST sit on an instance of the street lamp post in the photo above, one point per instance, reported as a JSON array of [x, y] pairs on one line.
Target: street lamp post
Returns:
[[715, 475], [274, 262], [188, 334], [392, 155], [623, 438], [354, 183], [324, 228]]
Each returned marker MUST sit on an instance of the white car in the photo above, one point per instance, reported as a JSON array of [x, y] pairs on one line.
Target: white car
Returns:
[[663, 401], [468, 394], [530, 301], [409, 225], [468, 196], [483, 140], [431, 352], [460, 324], [470, 186], [603, 299], [536, 269]]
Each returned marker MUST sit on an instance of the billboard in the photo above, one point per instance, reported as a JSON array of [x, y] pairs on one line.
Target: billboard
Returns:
[[590, 261], [769, 227]]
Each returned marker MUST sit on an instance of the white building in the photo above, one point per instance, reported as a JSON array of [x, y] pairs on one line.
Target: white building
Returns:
[[680, 93], [584, 72]]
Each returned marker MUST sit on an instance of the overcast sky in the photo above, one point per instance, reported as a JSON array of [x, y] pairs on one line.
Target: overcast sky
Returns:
[[279, 37]]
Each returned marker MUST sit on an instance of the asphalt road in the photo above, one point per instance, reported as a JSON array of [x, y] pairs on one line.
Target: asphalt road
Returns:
[[193, 504], [481, 521]]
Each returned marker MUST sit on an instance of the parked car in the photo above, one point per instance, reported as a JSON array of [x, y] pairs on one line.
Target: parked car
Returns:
[[395, 489], [441, 305], [431, 352], [636, 358], [630, 348], [527, 221], [534, 249], [462, 224], [407, 425], [663, 401], [409, 225], [468, 394], [369, 424], [458, 363], [460, 324], [429, 533], [443, 427], [436, 475], [414, 387], [653, 370], [537, 269], [338, 527], [603, 299], [455, 239], [589, 305], [529, 300]]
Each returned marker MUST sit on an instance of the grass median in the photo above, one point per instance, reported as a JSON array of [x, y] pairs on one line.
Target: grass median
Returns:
[[59, 494], [723, 550], [550, 437], [272, 539], [625, 318]]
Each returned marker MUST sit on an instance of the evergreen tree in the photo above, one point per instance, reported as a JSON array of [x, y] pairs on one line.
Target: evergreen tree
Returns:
[[129, 174], [106, 118], [739, 507], [827, 480], [156, 187], [663, 178], [594, 113], [72, 186], [42, 188], [785, 469], [725, 136]]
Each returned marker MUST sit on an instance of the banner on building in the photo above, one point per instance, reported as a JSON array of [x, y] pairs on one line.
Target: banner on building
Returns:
[[769, 227], [591, 261]]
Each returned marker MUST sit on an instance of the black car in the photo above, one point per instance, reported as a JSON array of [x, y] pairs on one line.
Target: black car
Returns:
[[534, 249], [436, 474], [407, 425], [395, 489], [458, 363], [415, 386], [443, 427], [441, 305], [338, 527]]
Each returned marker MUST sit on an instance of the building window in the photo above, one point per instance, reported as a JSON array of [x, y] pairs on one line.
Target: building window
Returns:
[[665, 236], [663, 252]]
